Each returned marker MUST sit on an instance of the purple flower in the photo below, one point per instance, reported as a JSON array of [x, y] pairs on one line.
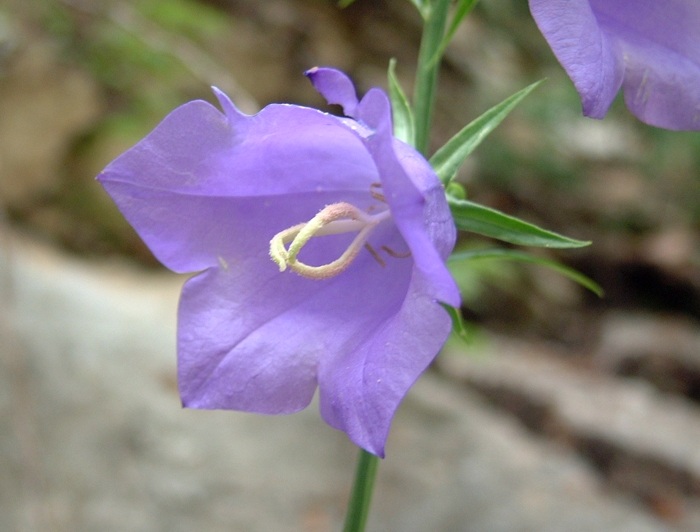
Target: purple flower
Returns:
[[651, 48], [360, 317]]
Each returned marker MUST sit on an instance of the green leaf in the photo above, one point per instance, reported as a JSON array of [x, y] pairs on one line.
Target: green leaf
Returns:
[[458, 325], [470, 216], [450, 157], [511, 254], [344, 3], [404, 125], [462, 10]]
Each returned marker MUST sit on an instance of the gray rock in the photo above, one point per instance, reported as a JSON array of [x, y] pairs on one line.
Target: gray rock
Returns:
[[638, 338], [92, 435], [644, 440]]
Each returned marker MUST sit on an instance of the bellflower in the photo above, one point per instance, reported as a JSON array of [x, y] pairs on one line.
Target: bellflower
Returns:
[[320, 244], [650, 48]]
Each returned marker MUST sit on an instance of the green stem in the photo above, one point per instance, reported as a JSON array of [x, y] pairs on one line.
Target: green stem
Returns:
[[427, 71], [361, 496]]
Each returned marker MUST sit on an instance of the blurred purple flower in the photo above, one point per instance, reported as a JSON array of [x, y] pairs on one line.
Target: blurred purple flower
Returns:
[[651, 48], [208, 192]]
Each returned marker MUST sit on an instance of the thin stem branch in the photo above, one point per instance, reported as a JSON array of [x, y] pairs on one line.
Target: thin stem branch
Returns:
[[427, 71]]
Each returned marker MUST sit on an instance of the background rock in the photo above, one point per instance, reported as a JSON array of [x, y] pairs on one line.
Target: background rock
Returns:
[[642, 440], [93, 436]]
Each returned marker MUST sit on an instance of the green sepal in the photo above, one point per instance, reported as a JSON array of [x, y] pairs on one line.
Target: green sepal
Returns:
[[447, 160], [459, 328], [470, 216], [511, 254], [456, 190], [404, 123]]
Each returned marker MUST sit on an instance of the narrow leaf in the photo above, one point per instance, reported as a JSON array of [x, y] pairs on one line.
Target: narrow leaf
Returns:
[[462, 10], [450, 157], [404, 125], [423, 7], [470, 216], [511, 254]]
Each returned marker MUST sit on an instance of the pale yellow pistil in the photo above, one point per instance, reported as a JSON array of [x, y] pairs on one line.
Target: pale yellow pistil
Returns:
[[334, 219]]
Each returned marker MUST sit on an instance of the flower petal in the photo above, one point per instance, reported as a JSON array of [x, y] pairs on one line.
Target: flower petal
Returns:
[[584, 50], [250, 339], [189, 232], [335, 87], [416, 198], [195, 149], [236, 118], [172, 186], [361, 390], [234, 327], [660, 47], [651, 48]]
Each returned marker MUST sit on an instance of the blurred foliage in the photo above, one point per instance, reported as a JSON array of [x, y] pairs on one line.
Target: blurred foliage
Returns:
[[121, 45], [192, 19], [128, 50]]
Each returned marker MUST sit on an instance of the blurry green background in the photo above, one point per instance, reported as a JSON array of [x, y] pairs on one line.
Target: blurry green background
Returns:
[[83, 80]]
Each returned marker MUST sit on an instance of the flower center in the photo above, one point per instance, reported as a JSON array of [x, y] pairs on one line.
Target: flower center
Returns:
[[335, 219]]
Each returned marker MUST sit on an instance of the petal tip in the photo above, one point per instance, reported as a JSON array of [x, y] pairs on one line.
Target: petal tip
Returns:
[[335, 87], [379, 453], [375, 111], [229, 108]]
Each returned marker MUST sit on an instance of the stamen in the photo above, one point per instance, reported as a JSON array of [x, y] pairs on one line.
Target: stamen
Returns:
[[377, 195], [395, 254], [375, 255], [334, 219]]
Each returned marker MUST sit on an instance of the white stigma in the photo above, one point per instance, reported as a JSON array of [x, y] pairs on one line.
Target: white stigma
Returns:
[[334, 219]]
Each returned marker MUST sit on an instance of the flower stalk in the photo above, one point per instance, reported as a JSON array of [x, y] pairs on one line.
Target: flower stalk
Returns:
[[361, 496]]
